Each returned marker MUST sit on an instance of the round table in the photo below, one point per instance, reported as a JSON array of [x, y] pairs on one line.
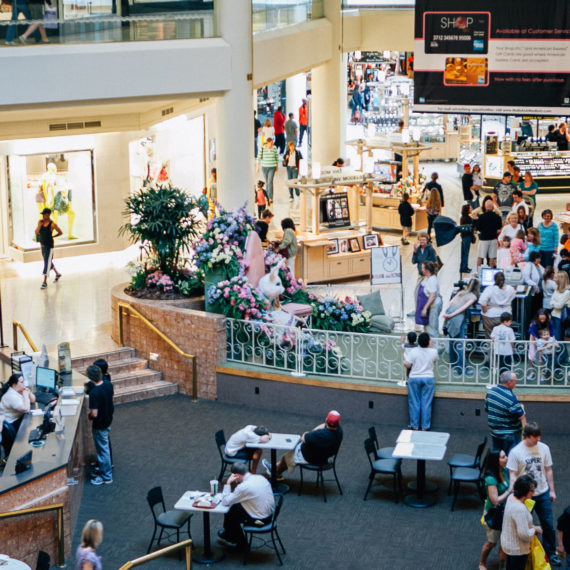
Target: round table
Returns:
[[14, 564]]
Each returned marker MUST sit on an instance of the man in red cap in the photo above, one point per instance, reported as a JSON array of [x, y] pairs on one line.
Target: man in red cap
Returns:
[[314, 447]]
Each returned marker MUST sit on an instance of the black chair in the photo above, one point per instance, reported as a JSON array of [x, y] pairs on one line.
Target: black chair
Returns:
[[384, 467], [44, 561], [270, 527], [381, 452], [171, 520], [226, 459], [465, 460], [468, 475], [330, 465]]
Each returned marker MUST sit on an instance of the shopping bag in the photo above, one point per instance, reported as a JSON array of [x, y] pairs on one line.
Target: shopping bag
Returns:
[[537, 556], [50, 17]]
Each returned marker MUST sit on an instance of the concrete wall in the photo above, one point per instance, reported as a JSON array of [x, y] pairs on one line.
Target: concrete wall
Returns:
[[387, 30]]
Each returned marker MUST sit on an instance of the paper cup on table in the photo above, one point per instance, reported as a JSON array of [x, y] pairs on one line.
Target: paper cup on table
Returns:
[[213, 487]]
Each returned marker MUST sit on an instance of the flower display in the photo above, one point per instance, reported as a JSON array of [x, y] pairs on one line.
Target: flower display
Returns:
[[340, 315], [223, 243], [295, 291], [160, 280], [238, 299]]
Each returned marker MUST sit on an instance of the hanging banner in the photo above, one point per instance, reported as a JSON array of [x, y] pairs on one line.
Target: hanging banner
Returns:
[[508, 57], [385, 265]]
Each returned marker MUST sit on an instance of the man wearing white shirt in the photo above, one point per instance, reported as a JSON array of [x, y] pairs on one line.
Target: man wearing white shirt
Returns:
[[236, 445], [518, 202], [532, 457], [251, 502]]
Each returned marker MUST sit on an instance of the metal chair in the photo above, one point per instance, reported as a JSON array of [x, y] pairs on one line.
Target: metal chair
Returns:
[[384, 467], [465, 460], [468, 475], [226, 459], [270, 527], [171, 520], [381, 452], [44, 561], [330, 465]]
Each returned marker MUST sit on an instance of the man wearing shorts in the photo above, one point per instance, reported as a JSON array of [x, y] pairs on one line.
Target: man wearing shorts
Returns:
[[489, 225]]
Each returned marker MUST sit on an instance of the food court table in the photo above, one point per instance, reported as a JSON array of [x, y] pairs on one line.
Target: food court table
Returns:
[[282, 442], [207, 554], [422, 446], [12, 564]]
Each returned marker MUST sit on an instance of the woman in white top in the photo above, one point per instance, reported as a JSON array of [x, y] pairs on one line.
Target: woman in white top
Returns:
[[16, 400], [548, 287], [428, 302], [518, 529], [532, 275], [267, 132], [560, 299], [496, 300], [511, 228]]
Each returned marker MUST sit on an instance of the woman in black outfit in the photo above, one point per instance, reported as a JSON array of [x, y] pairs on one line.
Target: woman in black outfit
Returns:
[[44, 234], [466, 231], [406, 212]]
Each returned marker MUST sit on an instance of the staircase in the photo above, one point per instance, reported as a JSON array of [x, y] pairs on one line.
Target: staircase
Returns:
[[132, 379]]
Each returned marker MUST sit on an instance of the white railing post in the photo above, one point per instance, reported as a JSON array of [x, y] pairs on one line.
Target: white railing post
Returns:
[[299, 353]]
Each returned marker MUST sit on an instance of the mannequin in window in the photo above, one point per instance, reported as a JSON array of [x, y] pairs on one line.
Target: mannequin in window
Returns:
[[58, 200], [46, 191]]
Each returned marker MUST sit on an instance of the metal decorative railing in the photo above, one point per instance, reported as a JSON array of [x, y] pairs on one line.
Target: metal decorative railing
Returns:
[[373, 358], [271, 14]]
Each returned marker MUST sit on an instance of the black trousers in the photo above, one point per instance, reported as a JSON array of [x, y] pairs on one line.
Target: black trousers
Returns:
[[516, 562], [233, 520]]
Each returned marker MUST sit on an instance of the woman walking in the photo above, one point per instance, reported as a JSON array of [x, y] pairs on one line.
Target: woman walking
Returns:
[[91, 537], [548, 238], [268, 159], [433, 207], [498, 489]]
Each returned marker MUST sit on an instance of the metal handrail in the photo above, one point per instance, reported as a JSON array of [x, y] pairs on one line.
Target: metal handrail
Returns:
[[125, 306], [186, 544], [18, 325], [60, 534]]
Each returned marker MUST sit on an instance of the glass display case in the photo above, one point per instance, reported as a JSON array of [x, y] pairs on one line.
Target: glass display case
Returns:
[[63, 182]]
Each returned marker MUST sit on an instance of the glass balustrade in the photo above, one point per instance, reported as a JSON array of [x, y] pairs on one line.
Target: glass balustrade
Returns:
[[271, 14], [97, 21]]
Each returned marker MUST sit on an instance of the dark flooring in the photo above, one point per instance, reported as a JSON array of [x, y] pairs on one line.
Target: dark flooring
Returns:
[[170, 442]]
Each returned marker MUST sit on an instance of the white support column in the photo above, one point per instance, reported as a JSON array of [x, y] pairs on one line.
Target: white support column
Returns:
[[328, 91], [234, 130], [296, 89]]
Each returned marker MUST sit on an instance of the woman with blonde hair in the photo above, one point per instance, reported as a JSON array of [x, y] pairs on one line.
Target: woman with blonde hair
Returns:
[[267, 132], [433, 207], [560, 299], [91, 537]]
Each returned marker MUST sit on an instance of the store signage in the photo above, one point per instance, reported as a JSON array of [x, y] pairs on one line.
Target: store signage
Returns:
[[385, 265], [492, 57]]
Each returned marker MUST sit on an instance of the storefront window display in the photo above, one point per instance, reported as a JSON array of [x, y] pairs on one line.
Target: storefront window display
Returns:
[[63, 182]]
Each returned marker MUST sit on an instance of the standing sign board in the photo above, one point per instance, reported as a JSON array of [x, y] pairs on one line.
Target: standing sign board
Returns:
[[385, 265]]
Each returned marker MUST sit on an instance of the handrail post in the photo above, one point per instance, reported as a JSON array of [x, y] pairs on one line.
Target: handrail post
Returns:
[[60, 539], [15, 335], [121, 330], [194, 380]]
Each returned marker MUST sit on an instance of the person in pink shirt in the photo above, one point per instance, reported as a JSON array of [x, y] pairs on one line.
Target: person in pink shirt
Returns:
[[518, 247]]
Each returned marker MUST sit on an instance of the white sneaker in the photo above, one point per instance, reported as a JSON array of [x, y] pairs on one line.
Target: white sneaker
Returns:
[[267, 466]]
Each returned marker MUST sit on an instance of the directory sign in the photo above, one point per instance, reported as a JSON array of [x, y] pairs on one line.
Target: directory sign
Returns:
[[508, 57]]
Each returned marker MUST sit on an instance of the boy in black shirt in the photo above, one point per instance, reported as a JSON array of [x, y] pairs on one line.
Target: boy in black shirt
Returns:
[[406, 212]]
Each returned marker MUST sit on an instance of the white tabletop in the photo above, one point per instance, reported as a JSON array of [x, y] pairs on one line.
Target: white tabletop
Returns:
[[13, 564], [427, 437], [185, 503], [281, 441], [419, 451]]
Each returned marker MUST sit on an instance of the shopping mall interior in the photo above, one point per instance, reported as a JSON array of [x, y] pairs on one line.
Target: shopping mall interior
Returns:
[[106, 100]]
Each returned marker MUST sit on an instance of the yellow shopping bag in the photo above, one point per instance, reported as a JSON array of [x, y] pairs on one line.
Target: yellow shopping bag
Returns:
[[537, 556]]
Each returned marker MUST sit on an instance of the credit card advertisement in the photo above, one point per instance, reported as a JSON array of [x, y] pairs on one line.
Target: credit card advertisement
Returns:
[[492, 57]]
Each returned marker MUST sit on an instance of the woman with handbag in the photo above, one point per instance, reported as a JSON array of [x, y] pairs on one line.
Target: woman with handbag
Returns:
[[433, 207], [498, 489]]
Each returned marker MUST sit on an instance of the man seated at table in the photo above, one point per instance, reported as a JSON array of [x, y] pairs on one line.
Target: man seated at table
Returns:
[[236, 445], [251, 502], [315, 447]]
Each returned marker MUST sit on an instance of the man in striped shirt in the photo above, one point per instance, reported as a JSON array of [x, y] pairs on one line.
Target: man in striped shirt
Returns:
[[506, 415]]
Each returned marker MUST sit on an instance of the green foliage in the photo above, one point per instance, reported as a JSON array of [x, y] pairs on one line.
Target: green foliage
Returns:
[[165, 220]]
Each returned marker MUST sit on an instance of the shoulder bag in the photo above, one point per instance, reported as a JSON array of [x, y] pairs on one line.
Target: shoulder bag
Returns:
[[494, 517]]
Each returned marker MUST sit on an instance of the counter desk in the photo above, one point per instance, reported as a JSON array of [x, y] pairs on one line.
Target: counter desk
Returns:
[[56, 476]]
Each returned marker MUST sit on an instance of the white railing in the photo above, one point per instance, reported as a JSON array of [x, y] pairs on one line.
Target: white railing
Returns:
[[473, 363]]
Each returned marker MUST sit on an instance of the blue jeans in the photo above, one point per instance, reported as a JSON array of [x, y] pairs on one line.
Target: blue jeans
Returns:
[[292, 173], [19, 7], [506, 443], [543, 509], [546, 258], [268, 174], [101, 439], [474, 203], [420, 397], [465, 247]]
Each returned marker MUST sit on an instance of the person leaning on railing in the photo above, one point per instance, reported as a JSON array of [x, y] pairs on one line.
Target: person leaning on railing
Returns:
[[560, 299], [496, 300]]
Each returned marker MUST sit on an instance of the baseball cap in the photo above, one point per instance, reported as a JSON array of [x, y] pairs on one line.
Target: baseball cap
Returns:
[[333, 418]]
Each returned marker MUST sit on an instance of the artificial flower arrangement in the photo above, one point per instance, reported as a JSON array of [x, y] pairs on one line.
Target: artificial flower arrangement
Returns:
[[345, 315], [238, 299], [407, 185], [223, 243]]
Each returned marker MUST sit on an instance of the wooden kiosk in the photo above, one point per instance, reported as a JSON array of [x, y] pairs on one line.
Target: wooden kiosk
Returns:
[[320, 260]]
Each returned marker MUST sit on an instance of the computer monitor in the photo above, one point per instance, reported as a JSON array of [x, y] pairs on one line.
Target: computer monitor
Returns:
[[488, 276], [46, 378]]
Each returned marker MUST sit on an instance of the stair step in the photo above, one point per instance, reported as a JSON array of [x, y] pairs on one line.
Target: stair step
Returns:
[[145, 392], [123, 366], [136, 377], [111, 357]]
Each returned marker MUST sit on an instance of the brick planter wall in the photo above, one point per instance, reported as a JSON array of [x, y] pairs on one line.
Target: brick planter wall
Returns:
[[187, 324]]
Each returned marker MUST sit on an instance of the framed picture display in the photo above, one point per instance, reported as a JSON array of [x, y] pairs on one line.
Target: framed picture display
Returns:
[[354, 245], [343, 246], [332, 247], [370, 241]]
